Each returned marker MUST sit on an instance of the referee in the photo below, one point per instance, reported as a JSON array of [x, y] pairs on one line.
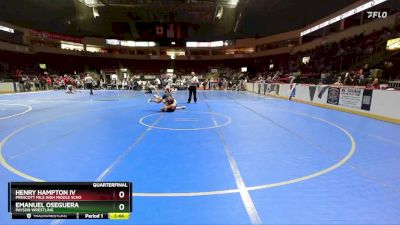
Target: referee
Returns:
[[193, 82], [89, 83]]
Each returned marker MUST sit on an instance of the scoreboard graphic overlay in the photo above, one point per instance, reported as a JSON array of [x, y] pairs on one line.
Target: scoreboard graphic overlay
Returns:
[[70, 200]]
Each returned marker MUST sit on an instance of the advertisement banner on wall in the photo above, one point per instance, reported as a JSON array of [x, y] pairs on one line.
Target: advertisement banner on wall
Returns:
[[367, 99], [333, 96], [351, 97]]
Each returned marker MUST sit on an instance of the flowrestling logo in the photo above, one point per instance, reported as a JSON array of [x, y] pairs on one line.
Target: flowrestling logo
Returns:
[[377, 14]]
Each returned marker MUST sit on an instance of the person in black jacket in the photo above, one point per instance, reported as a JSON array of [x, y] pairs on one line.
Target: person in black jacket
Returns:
[[193, 82]]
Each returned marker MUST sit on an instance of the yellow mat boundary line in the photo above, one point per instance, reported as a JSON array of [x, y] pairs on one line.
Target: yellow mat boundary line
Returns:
[[6, 92], [27, 92]]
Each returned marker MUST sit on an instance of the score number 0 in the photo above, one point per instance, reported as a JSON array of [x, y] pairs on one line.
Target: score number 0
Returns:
[[121, 195]]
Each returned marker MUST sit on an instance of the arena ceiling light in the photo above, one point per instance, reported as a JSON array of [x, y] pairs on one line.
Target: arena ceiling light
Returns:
[[145, 44], [220, 12], [217, 44], [213, 44], [345, 15], [393, 44], [95, 12], [92, 3], [6, 29], [306, 60], [71, 46], [130, 43], [232, 3], [113, 42], [42, 66], [93, 49]]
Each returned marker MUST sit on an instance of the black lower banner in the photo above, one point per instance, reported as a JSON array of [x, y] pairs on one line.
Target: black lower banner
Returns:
[[60, 216]]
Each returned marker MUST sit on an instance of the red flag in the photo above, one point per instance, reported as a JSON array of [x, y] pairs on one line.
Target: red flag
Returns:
[[159, 30]]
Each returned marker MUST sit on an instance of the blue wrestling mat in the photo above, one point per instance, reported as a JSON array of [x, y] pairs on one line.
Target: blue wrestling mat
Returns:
[[232, 158]]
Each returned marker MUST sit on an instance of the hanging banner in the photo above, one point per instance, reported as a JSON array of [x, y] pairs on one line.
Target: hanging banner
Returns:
[[312, 90]]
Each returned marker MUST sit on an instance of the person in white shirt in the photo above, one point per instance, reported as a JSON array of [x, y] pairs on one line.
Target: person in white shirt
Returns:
[[102, 83], [124, 84], [114, 78], [157, 83], [89, 83], [150, 88], [193, 82]]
